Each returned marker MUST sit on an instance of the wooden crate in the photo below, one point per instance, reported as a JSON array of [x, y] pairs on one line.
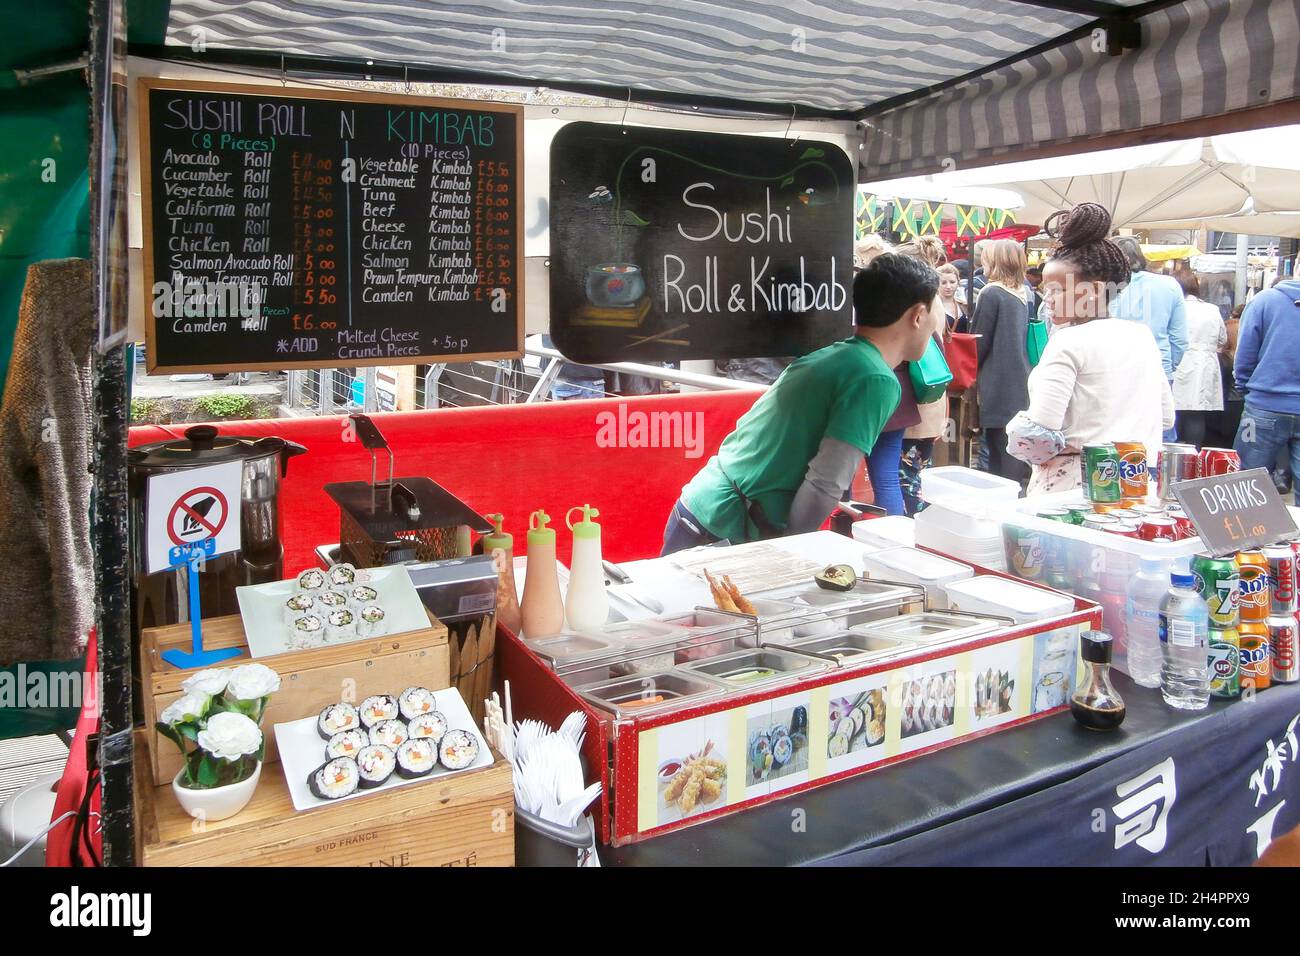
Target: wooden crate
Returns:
[[464, 819], [309, 679]]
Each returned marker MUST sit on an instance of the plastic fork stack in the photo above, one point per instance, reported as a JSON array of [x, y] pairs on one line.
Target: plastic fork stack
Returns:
[[548, 772]]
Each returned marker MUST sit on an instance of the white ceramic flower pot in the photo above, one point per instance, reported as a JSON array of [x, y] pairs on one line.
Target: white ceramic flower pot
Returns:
[[218, 803]]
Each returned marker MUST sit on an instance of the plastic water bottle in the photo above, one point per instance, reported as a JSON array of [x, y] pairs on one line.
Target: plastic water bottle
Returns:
[[1184, 637], [1146, 590]]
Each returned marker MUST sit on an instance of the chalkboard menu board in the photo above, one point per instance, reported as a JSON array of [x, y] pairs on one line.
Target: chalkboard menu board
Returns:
[[671, 244], [1236, 511], [298, 228]]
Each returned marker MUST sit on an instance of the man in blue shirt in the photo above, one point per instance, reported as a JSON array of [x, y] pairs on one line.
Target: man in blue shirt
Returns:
[[1267, 371], [1157, 301]]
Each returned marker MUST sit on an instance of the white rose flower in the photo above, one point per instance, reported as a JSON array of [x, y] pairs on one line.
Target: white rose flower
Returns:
[[211, 682], [191, 706], [230, 736], [253, 682]]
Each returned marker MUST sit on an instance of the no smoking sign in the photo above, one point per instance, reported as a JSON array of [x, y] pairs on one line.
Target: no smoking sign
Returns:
[[192, 508]]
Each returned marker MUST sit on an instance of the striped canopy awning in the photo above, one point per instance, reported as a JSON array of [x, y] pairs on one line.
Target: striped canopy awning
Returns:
[[935, 83]]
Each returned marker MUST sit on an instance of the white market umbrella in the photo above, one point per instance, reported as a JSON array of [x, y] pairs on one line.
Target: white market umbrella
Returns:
[[1214, 176]]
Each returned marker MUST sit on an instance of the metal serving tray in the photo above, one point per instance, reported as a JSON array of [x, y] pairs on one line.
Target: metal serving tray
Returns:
[[850, 648], [932, 627], [744, 670], [649, 692]]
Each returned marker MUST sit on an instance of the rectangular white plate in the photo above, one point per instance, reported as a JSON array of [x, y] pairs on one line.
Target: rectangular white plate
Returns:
[[302, 752], [262, 608]]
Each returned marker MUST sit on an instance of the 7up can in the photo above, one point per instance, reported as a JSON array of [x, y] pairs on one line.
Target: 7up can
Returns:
[[1218, 580], [1225, 662], [1100, 465]]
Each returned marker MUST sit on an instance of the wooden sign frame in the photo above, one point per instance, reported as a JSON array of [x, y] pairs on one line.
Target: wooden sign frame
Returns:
[[145, 85]]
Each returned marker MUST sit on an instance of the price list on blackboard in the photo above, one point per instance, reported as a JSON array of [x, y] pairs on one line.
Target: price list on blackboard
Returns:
[[286, 229]]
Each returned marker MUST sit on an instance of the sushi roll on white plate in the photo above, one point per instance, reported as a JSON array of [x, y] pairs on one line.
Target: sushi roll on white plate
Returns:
[[336, 718], [372, 621], [336, 778], [375, 765], [306, 630], [313, 579], [390, 733], [457, 749], [415, 758], [346, 743], [340, 625], [331, 600], [377, 708], [298, 605], [415, 701], [342, 576], [431, 726], [361, 595]]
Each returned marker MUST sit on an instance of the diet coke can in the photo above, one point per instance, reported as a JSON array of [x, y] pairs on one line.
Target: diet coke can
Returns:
[[1281, 579], [1282, 634]]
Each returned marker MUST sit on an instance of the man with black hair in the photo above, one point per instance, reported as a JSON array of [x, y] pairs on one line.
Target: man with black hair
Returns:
[[791, 456]]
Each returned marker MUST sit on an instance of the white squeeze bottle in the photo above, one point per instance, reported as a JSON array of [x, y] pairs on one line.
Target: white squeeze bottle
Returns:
[[1185, 638], [1146, 589], [587, 605], [542, 610]]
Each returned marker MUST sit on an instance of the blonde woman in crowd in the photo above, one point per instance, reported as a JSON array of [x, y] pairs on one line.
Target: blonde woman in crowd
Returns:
[[1001, 320]]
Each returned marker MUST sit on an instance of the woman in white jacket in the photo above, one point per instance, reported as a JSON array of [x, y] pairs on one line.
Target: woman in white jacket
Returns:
[[1100, 379], [1198, 382]]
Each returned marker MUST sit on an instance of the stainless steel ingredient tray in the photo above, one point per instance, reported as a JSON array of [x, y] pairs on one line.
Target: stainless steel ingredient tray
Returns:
[[929, 627], [636, 694], [850, 648], [743, 670]]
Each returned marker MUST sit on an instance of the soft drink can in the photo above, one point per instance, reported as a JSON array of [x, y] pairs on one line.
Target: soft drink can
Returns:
[[1055, 514], [1146, 509], [1185, 526], [1158, 529], [1099, 523], [1178, 462], [1217, 580], [1256, 657], [1218, 461], [1225, 662], [1026, 553], [1282, 635], [1100, 473], [1252, 568], [1134, 480], [1078, 513], [1107, 507], [1125, 529], [1126, 514], [1281, 580]]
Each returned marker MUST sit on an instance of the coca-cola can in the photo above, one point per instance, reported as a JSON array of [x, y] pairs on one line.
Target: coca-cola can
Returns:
[[1125, 529], [1218, 461], [1282, 637], [1186, 527], [1158, 529], [1281, 579]]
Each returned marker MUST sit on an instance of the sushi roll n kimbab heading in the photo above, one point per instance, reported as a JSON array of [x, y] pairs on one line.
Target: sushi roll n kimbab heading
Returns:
[[390, 733], [311, 580], [415, 758], [346, 743], [377, 708], [457, 749], [342, 575], [336, 718], [372, 621], [415, 701], [430, 726], [337, 778], [375, 764]]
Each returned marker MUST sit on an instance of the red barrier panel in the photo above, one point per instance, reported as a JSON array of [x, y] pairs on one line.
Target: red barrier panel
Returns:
[[629, 457]]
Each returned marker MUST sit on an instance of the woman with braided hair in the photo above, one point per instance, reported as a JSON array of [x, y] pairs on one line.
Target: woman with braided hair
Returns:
[[1100, 379]]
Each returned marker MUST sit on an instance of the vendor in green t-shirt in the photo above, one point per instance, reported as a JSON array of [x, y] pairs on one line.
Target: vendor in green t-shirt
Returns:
[[793, 454]]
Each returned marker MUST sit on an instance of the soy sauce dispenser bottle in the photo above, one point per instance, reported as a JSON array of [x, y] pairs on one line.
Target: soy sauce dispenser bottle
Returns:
[[1095, 703], [543, 608]]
